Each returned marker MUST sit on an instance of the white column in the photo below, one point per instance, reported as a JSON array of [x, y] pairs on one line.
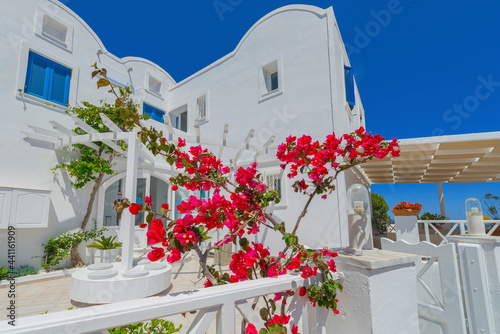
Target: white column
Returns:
[[407, 229], [441, 199], [379, 295], [128, 220]]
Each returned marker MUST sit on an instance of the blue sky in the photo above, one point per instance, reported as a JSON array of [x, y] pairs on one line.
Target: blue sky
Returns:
[[417, 69]]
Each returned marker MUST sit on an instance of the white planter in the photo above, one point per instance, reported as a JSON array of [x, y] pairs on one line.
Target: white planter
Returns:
[[106, 255], [407, 229], [475, 225]]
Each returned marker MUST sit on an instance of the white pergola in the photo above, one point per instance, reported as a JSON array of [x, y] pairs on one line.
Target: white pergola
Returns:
[[445, 159], [61, 136]]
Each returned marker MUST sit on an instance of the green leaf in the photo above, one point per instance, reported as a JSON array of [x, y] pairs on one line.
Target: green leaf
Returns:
[[244, 243], [102, 82], [264, 313], [150, 217]]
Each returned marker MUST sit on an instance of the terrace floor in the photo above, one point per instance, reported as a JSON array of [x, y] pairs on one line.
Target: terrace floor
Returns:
[[38, 297]]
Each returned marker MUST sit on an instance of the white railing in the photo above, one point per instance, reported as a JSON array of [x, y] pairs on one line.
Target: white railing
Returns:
[[219, 303], [455, 227]]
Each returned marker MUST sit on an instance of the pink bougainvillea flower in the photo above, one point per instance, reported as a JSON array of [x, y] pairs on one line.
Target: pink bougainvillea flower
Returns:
[[251, 329], [175, 255], [156, 254], [134, 208], [148, 201]]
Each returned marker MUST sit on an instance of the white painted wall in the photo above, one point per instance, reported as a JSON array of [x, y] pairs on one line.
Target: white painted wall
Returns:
[[303, 39]]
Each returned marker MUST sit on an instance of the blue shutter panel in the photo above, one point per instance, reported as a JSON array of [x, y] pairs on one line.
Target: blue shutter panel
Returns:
[[47, 79]]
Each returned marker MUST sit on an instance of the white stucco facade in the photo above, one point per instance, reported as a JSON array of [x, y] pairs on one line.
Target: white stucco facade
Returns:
[[300, 45]]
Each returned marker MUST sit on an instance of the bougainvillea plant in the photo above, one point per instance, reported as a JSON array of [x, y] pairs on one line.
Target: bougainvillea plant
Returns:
[[239, 207], [407, 205]]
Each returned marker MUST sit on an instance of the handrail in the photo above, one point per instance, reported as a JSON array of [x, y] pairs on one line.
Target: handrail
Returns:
[[226, 298]]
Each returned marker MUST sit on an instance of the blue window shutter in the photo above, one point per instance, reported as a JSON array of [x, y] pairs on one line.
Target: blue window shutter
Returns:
[[147, 109], [59, 86], [47, 79], [349, 86], [155, 114]]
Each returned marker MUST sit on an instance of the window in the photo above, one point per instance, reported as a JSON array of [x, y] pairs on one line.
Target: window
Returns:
[[154, 113], [270, 72], [154, 85], [201, 102], [179, 118], [54, 30], [274, 183], [349, 86], [47, 79], [180, 121]]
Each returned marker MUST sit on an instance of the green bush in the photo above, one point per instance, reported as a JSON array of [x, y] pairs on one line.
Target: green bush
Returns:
[[4, 273], [24, 271], [380, 218], [58, 248], [155, 326], [105, 243], [431, 216]]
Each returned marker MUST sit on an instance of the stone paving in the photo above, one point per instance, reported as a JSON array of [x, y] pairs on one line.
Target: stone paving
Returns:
[[38, 297]]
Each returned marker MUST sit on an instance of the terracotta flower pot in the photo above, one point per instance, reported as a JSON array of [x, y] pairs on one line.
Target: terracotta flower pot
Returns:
[[406, 212]]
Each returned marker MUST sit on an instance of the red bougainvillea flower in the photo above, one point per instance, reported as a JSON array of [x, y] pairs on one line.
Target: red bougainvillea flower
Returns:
[[143, 225], [336, 312], [332, 266], [181, 143], [156, 254], [207, 283], [282, 320], [302, 291], [148, 201], [251, 329], [175, 255], [295, 329], [308, 272], [163, 139], [134, 208], [165, 206], [174, 187]]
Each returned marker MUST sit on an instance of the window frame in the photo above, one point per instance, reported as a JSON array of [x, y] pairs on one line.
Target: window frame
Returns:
[[265, 71], [67, 44], [176, 112], [351, 90], [48, 89]]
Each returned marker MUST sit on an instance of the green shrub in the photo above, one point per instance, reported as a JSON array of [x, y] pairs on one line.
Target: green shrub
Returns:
[[380, 218], [431, 216], [58, 248], [4, 273], [105, 243], [24, 271], [155, 326]]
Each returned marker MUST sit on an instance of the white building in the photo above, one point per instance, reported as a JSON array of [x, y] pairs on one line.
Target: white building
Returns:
[[289, 75]]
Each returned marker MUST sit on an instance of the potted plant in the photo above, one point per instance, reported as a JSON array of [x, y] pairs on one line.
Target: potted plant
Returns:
[[107, 249], [406, 209]]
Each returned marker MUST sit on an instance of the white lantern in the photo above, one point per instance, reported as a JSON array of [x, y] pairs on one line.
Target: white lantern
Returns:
[[474, 214], [360, 228], [358, 199]]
